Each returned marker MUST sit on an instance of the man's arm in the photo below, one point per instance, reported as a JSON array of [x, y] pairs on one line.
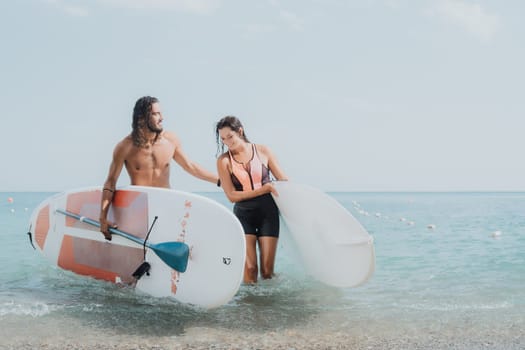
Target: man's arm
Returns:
[[189, 166], [108, 190]]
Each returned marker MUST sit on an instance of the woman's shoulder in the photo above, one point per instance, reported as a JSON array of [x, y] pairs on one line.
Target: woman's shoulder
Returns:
[[263, 149], [223, 156]]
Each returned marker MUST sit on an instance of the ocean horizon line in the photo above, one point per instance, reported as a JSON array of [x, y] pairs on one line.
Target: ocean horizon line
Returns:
[[368, 191]]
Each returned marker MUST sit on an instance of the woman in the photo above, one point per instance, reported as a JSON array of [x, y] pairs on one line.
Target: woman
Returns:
[[244, 172]]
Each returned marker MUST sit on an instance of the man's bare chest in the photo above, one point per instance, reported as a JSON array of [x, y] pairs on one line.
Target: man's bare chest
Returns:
[[151, 157]]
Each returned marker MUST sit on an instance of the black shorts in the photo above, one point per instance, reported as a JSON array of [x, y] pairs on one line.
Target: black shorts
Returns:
[[259, 216]]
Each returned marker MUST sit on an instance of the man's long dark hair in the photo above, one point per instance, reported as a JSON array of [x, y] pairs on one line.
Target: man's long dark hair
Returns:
[[141, 115], [231, 122]]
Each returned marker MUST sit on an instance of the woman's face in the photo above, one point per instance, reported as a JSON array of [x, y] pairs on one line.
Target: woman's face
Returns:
[[230, 137]]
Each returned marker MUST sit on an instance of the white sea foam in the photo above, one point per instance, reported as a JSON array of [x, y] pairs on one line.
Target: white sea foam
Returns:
[[91, 307], [35, 309]]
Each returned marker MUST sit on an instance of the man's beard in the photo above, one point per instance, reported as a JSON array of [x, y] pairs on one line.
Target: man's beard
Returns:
[[153, 128]]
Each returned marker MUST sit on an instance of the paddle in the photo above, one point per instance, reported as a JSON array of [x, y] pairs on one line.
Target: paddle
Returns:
[[174, 254]]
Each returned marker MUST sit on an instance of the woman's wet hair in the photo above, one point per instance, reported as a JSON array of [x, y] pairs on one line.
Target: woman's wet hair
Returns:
[[228, 122]]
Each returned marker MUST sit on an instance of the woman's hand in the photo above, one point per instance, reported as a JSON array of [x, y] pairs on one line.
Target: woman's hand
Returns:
[[270, 188]]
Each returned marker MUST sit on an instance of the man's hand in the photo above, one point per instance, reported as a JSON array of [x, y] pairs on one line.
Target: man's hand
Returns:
[[104, 228]]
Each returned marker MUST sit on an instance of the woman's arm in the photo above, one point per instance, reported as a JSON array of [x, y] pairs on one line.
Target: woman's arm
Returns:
[[223, 168], [273, 164]]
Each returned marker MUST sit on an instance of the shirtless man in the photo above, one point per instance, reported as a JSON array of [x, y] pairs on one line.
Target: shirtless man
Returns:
[[146, 153]]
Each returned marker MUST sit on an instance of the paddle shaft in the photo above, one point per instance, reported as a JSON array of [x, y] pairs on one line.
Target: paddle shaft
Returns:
[[97, 224]]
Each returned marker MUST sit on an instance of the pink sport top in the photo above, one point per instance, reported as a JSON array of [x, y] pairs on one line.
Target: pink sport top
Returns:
[[249, 176]]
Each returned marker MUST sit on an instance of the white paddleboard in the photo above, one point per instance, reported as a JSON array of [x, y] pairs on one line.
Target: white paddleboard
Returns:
[[213, 234], [334, 246]]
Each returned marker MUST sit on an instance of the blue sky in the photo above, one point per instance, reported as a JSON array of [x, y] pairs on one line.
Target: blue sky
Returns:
[[385, 95]]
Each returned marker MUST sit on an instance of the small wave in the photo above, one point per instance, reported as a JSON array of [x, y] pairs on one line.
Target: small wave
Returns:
[[37, 309], [91, 307], [458, 307]]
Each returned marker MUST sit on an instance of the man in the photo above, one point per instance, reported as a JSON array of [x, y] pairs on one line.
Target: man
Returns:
[[146, 153]]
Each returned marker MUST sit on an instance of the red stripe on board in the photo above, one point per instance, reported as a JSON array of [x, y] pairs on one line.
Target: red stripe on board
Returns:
[[123, 199], [129, 210], [100, 260], [85, 204], [66, 260], [42, 226]]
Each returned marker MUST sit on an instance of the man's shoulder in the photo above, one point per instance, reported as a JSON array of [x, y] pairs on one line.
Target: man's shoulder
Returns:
[[170, 136], [124, 144], [168, 133], [126, 141]]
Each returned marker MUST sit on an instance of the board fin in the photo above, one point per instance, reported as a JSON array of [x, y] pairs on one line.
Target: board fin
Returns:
[[144, 268]]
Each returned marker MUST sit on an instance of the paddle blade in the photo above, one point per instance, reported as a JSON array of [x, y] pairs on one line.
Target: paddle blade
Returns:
[[174, 254]]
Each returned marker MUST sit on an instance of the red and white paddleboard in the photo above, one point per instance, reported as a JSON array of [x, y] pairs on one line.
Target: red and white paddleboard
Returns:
[[213, 234]]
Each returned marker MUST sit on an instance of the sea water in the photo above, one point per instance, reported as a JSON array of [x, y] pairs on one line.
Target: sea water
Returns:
[[450, 274]]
